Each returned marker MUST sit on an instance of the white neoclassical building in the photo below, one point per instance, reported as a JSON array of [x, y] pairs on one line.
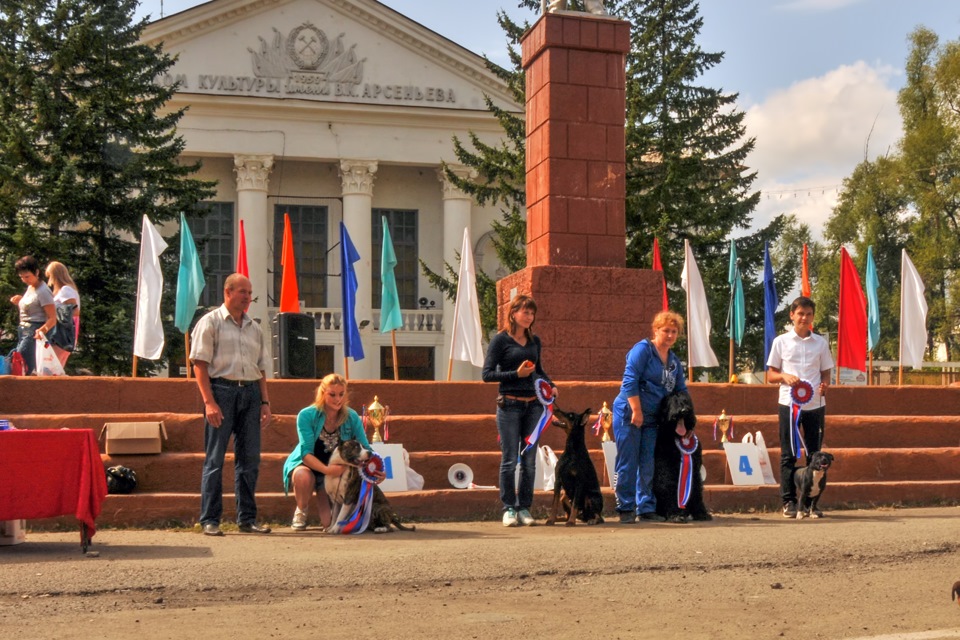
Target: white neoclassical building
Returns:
[[330, 111]]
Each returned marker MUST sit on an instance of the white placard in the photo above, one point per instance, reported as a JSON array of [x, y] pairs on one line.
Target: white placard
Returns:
[[393, 465], [744, 463], [765, 465], [610, 461]]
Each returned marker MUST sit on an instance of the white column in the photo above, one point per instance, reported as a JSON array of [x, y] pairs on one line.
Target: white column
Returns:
[[357, 183], [253, 175], [456, 216]]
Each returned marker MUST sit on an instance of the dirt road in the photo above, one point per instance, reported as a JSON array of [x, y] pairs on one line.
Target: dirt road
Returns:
[[856, 574]]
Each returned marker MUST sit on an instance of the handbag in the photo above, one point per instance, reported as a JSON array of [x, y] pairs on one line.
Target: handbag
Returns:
[[48, 364], [64, 333]]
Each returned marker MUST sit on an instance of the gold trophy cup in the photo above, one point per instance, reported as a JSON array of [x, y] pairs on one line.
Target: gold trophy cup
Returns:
[[723, 421], [377, 415], [606, 421]]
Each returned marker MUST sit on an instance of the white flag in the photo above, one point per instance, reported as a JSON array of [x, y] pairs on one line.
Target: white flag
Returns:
[[467, 344], [913, 315], [698, 315], [148, 331]]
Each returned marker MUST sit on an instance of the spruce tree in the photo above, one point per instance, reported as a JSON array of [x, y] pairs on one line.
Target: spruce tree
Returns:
[[91, 150]]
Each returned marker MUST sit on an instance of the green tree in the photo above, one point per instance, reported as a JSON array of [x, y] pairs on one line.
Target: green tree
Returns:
[[88, 152], [930, 156]]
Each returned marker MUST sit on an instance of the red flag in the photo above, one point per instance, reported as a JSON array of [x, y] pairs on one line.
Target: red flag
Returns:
[[658, 266], [852, 317], [805, 275], [242, 267], [289, 292]]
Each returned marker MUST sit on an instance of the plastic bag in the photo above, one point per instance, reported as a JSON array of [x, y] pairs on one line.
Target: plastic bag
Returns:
[[48, 364]]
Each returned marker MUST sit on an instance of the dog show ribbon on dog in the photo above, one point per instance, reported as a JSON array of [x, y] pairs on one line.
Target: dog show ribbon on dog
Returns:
[[800, 394], [687, 446], [359, 519], [545, 396]]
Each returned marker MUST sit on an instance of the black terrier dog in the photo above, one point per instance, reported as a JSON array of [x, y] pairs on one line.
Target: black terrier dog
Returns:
[[675, 423], [575, 474], [810, 481]]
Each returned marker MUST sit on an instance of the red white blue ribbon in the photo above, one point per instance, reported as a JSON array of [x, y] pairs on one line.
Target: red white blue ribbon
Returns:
[[685, 484], [545, 395], [801, 393], [598, 424], [358, 520]]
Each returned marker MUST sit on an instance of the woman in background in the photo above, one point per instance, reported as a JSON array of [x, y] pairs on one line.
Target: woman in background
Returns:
[[64, 293], [38, 313]]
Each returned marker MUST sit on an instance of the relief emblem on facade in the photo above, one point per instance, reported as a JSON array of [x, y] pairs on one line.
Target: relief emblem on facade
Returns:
[[305, 59]]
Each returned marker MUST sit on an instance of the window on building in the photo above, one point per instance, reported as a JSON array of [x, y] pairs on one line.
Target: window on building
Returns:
[[308, 223], [212, 232], [415, 363], [403, 233]]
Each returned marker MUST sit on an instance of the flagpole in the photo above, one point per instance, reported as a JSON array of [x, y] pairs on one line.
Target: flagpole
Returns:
[[186, 346], [870, 375], [393, 341], [346, 368], [730, 373], [453, 341], [839, 316], [689, 344], [134, 366]]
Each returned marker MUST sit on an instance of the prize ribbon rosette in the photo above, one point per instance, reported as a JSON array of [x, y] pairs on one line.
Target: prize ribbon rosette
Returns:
[[687, 446], [800, 394], [359, 519], [545, 395]]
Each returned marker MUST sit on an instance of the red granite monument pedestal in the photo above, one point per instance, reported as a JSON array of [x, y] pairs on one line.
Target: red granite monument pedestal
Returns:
[[591, 308]]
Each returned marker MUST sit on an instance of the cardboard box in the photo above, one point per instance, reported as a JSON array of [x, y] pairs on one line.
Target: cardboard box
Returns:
[[133, 437], [13, 532]]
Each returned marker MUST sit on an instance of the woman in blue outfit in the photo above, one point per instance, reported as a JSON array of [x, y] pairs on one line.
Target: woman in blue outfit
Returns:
[[652, 372], [513, 360], [321, 427]]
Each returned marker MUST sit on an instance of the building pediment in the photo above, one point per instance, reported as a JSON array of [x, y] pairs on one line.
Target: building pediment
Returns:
[[341, 51]]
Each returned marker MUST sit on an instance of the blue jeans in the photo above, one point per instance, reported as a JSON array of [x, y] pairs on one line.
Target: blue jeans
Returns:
[[634, 465], [240, 407], [515, 421], [27, 346]]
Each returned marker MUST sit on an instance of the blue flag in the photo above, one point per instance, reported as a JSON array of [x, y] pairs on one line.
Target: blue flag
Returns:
[[873, 304], [390, 316], [770, 304], [737, 312], [352, 347], [190, 280]]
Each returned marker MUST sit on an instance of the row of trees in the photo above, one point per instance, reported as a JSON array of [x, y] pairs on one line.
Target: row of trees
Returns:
[[86, 149]]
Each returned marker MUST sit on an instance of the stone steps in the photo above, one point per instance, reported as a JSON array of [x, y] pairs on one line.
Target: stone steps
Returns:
[[893, 446]]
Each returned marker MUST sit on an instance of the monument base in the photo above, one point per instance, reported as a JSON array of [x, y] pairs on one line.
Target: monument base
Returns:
[[587, 317]]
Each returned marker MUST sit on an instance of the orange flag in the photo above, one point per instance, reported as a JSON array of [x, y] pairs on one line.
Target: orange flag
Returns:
[[658, 266], [289, 292], [242, 267], [805, 275]]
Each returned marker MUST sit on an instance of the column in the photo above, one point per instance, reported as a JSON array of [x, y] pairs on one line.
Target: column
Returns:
[[253, 175], [357, 184], [456, 216]]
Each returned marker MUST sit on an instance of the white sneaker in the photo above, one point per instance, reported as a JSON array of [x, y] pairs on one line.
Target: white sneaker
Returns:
[[510, 518], [525, 518], [299, 520]]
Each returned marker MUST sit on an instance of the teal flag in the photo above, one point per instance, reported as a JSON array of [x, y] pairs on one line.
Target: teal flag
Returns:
[[190, 280], [390, 316], [873, 304], [736, 313]]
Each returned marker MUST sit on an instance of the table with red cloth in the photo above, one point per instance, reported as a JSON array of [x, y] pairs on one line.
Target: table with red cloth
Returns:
[[46, 473]]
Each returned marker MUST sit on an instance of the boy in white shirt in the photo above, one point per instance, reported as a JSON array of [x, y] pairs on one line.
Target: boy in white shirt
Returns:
[[800, 361]]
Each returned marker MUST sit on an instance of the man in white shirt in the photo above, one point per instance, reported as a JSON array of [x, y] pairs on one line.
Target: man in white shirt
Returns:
[[229, 356], [797, 357]]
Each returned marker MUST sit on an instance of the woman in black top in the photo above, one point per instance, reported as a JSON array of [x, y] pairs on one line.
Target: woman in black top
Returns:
[[513, 360]]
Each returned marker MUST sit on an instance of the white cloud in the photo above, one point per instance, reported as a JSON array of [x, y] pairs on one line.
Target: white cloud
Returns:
[[811, 135]]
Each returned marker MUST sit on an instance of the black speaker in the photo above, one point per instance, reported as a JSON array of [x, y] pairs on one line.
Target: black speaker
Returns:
[[297, 338]]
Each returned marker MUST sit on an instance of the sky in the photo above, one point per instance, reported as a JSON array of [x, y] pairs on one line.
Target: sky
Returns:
[[817, 79]]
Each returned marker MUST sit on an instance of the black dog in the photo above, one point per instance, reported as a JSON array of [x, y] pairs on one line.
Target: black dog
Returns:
[[810, 481], [677, 414], [575, 474]]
